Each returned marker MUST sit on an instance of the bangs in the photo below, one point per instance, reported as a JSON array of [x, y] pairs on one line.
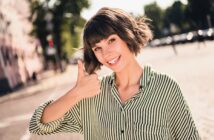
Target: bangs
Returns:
[[106, 22], [96, 31]]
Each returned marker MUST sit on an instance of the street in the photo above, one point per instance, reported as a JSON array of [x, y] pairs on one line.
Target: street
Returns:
[[193, 68]]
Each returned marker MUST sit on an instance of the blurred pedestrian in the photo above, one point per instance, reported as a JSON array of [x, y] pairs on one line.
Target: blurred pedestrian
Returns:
[[200, 38], [34, 76], [133, 103], [173, 46]]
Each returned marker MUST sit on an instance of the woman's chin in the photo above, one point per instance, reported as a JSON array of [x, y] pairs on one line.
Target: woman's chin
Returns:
[[117, 69]]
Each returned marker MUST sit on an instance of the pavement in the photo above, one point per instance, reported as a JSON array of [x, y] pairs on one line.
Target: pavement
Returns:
[[44, 82], [193, 69]]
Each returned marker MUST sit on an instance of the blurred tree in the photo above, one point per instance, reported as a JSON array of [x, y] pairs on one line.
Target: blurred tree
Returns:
[[54, 18], [155, 13], [38, 19], [198, 11], [71, 41], [175, 15], [212, 13], [68, 10]]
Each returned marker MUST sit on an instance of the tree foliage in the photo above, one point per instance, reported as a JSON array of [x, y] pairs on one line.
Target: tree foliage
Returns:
[[65, 18], [196, 14], [155, 13], [197, 11], [175, 15]]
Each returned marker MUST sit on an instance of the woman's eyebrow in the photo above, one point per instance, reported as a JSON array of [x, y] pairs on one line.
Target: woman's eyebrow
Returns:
[[106, 39], [110, 36], [95, 46]]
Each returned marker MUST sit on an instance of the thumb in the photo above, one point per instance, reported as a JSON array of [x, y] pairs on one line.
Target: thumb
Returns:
[[81, 71]]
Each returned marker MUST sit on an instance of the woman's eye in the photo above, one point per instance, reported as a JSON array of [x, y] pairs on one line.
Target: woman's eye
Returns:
[[97, 49], [111, 40]]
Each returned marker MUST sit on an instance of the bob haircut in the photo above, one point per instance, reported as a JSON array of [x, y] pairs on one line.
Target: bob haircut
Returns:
[[108, 21]]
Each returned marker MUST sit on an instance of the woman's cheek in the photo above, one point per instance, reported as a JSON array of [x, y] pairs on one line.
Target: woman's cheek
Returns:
[[99, 58], [102, 61]]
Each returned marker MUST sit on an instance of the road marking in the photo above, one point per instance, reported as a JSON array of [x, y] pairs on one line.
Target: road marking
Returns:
[[26, 136], [8, 121]]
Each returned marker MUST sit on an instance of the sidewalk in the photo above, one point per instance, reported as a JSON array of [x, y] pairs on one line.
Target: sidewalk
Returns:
[[45, 82]]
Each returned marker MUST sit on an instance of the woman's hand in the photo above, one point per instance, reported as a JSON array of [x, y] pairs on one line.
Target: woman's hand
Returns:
[[86, 85]]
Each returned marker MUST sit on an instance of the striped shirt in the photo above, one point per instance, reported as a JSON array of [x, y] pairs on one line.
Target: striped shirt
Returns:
[[157, 112]]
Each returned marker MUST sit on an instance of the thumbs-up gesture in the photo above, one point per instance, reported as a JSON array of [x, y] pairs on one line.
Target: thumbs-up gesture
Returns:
[[86, 85]]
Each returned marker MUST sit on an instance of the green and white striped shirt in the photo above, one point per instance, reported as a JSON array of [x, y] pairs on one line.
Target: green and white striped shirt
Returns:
[[157, 112]]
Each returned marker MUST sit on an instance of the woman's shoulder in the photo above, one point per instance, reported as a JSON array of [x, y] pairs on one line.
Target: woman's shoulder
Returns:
[[165, 84], [162, 78]]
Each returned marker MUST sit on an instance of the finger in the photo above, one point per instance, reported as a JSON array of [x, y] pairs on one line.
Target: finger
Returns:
[[81, 71]]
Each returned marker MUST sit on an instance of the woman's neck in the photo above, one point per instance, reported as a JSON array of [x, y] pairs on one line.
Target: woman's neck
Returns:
[[129, 76]]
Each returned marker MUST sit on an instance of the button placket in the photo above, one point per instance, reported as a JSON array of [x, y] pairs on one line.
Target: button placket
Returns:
[[123, 122]]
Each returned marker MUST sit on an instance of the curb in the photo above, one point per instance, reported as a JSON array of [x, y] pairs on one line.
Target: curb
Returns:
[[45, 83], [31, 89], [13, 96]]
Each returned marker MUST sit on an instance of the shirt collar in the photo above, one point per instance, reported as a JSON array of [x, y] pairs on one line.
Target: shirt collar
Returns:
[[144, 80]]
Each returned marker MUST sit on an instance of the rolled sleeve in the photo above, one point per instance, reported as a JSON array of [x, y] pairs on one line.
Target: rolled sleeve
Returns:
[[48, 127], [70, 122], [36, 126]]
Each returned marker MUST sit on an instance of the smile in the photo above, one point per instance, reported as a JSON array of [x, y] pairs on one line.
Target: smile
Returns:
[[114, 61]]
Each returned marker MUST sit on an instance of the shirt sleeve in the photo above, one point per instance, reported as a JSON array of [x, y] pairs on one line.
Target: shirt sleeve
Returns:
[[70, 122], [181, 123]]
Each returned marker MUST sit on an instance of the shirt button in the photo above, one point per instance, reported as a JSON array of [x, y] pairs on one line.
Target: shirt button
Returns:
[[122, 131]]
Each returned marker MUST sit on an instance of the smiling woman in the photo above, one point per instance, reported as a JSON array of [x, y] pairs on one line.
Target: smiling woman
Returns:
[[125, 28], [133, 103]]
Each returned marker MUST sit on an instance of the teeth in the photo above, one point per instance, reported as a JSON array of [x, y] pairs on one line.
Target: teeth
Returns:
[[113, 61]]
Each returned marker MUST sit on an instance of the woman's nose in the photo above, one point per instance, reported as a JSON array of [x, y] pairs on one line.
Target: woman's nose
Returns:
[[106, 52]]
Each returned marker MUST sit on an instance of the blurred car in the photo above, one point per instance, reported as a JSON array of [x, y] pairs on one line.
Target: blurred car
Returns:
[[198, 35], [208, 33], [154, 43], [191, 36]]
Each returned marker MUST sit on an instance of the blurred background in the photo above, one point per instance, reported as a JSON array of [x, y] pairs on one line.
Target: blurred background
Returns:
[[39, 49]]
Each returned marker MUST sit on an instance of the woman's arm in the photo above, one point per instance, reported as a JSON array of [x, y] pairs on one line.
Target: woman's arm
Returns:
[[70, 122], [55, 116], [58, 108]]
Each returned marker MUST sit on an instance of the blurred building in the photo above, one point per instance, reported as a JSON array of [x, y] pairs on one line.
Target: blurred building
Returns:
[[20, 55]]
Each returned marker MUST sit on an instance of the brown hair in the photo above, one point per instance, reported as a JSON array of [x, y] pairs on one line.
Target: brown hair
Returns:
[[108, 21]]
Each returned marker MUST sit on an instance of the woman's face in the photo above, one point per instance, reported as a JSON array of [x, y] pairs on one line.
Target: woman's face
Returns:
[[113, 53]]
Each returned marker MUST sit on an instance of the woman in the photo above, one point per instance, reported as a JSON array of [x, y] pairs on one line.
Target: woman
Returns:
[[133, 103]]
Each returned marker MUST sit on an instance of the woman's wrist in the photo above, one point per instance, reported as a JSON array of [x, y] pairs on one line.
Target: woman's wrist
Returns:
[[74, 95]]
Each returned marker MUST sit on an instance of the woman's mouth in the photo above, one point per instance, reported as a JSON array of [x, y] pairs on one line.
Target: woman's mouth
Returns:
[[114, 61]]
